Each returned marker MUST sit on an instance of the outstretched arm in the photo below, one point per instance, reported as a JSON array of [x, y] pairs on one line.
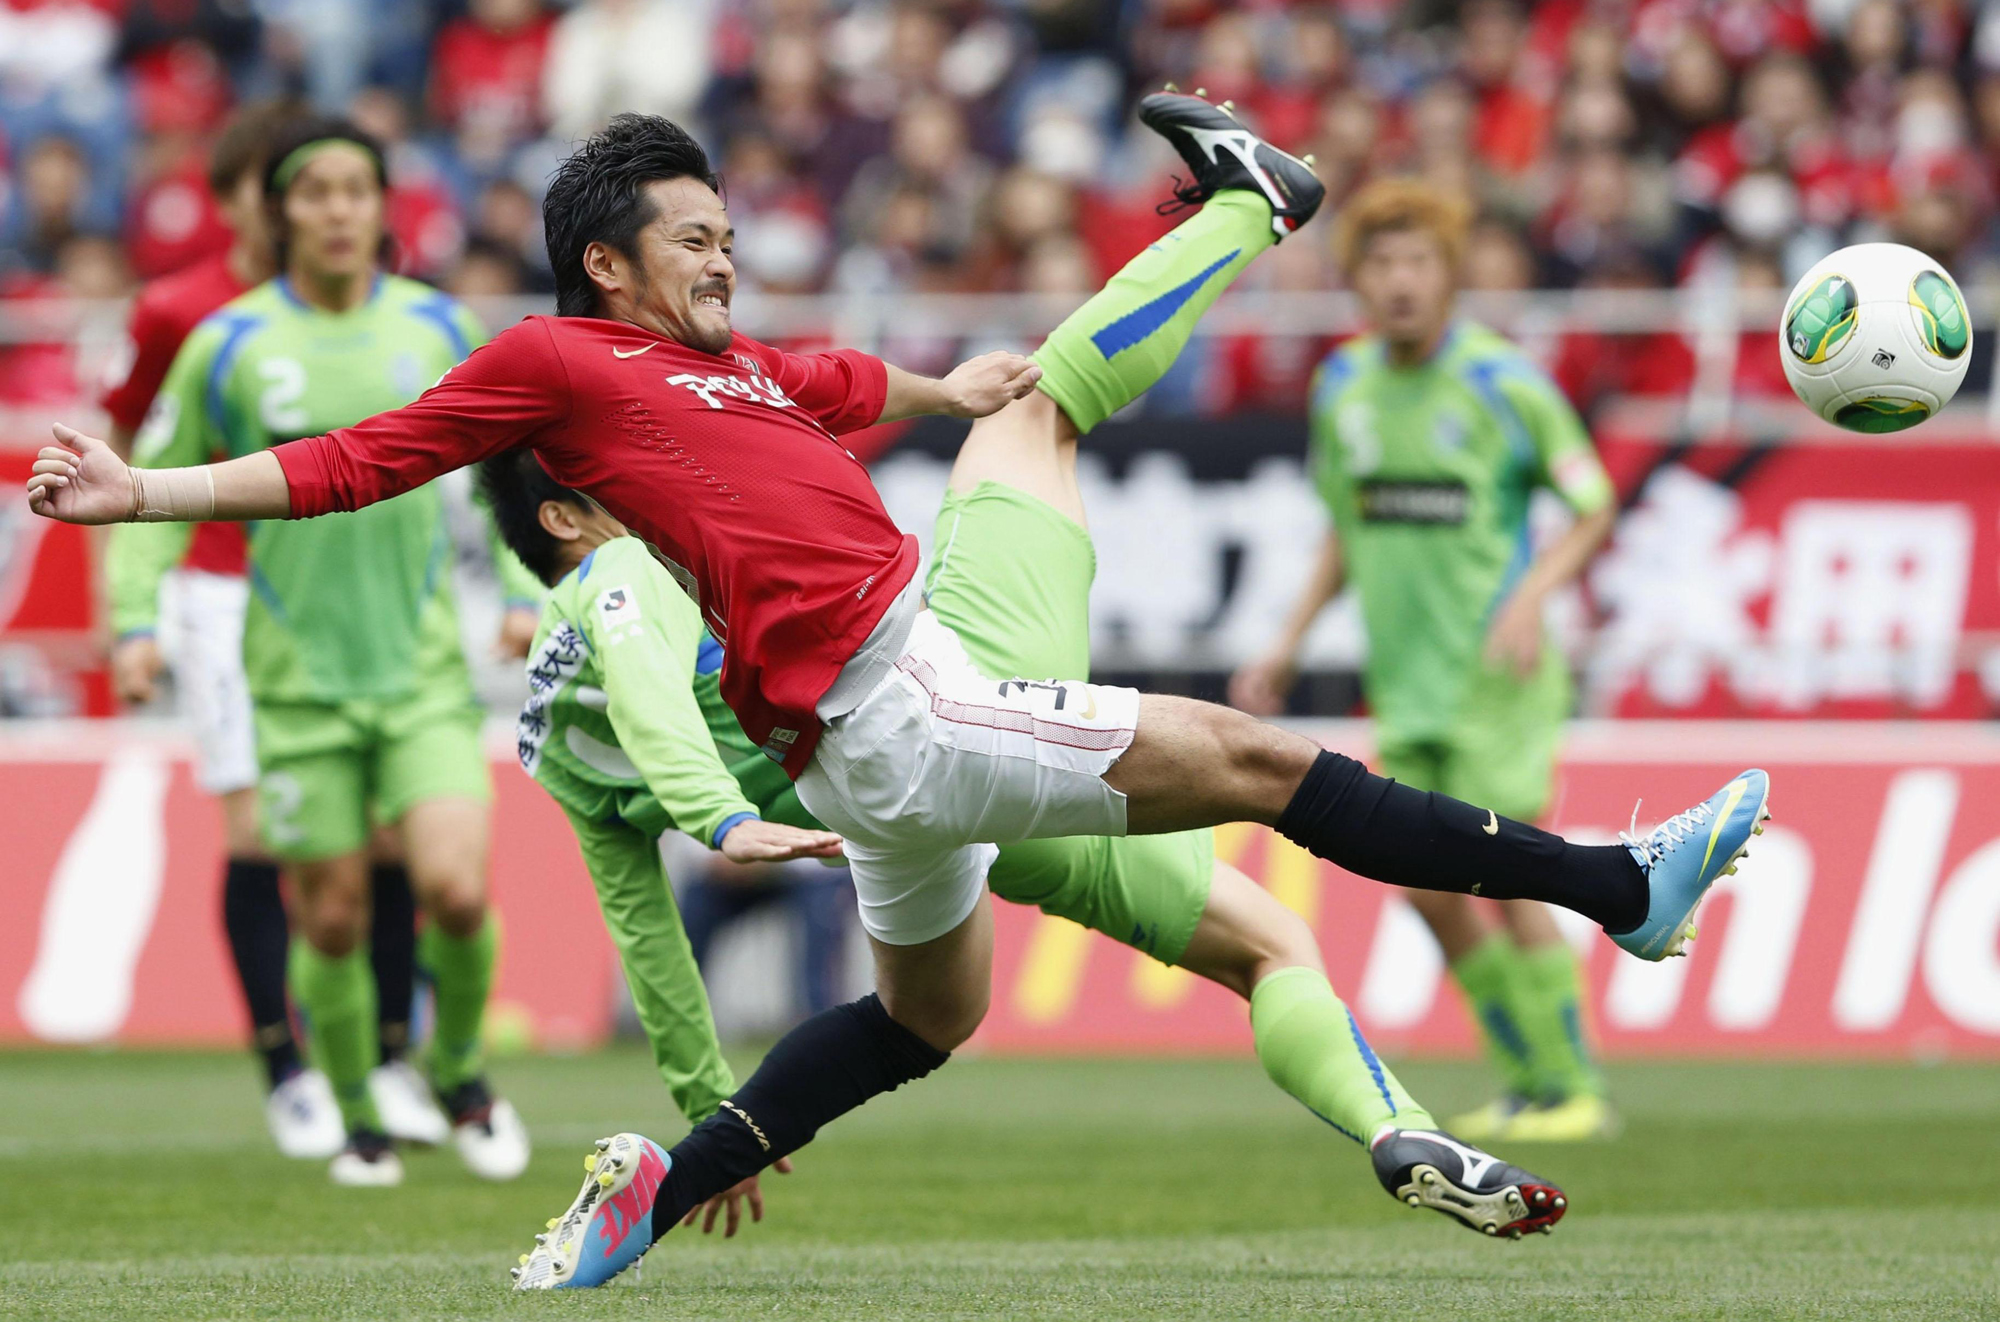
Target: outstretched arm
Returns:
[[500, 397], [81, 479]]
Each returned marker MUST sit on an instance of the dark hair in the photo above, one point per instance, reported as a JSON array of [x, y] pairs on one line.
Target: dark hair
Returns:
[[296, 133], [598, 196], [243, 145], [514, 485]]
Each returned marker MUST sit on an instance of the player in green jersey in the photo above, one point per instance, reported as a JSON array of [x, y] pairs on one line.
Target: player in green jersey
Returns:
[[1428, 437], [363, 704]]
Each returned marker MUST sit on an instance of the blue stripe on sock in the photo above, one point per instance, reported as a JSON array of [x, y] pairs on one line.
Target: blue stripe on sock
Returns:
[[1143, 320], [1500, 1025], [1374, 1064], [1337, 1126]]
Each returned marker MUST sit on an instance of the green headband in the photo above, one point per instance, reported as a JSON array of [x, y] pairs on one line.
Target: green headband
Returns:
[[296, 159]]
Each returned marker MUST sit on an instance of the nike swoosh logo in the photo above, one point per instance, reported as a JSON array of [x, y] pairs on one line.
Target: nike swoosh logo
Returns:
[[620, 353], [1492, 826], [1089, 712], [1737, 789]]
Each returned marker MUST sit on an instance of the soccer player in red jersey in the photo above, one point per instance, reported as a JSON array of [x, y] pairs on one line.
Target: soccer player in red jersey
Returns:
[[721, 453], [206, 599]]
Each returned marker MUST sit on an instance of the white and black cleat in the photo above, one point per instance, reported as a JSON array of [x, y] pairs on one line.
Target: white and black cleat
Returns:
[[369, 1161], [1224, 154], [1430, 1168]]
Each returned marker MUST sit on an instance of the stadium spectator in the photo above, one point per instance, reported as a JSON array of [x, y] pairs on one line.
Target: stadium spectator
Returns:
[[51, 203], [648, 56], [486, 78]]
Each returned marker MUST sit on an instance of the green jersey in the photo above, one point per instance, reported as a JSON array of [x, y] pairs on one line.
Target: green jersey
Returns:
[[624, 717], [1427, 473], [351, 606]]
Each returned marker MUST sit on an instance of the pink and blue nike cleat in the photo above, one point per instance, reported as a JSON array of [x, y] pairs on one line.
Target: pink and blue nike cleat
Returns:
[[1688, 853], [609, 1226]]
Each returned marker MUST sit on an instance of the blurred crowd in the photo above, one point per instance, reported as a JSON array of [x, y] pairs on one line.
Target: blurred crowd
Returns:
[[883, 146]]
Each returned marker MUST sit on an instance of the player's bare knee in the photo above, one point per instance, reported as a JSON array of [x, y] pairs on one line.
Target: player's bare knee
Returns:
[[334, 927], [945, 1022], [1263, 762], [458, 907]]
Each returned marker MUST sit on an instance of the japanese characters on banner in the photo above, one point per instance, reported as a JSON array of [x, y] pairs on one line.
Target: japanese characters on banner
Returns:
[[1856, 579], [1865, 922]]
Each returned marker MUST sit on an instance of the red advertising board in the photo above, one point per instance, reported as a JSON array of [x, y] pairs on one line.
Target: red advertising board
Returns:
[[1866, 921], [1822, 580]]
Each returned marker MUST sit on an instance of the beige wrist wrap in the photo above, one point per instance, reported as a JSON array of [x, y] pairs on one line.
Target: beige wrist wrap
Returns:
[[173, 495]]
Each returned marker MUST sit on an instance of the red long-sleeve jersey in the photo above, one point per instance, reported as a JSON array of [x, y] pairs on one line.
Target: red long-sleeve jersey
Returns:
[[726, 464]]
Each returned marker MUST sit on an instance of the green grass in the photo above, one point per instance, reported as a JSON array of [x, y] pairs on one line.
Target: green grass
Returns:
[[141, 1186]]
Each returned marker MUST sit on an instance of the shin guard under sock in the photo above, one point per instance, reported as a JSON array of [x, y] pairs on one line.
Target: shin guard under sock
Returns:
[[1112, 349], [1312, 1048], [461, 969], [253, 916], [818, 1072], [1375, 827], [1490, 975], [392, 954], [338, 999]]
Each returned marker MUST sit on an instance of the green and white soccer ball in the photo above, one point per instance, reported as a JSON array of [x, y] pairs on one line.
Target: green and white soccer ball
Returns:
[[1875, 338]]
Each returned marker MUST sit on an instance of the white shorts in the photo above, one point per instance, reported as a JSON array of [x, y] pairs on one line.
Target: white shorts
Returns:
[[203, 639], [938, 764]]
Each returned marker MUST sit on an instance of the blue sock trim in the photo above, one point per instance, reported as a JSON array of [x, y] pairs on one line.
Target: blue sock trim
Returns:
[[1140, 323], [1374, 1066], [1336, 1126], [1501, 1027]]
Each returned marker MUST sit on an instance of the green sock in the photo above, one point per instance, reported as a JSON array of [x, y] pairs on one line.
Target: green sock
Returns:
[[1112, 349], [1312, 1048], [1490, 976], [337, 996], [461, 969], [1551, 1019]]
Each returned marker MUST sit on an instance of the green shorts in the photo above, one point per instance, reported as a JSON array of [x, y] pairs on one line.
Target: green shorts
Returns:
[[332, 771], [1011, 577], [1501, 751]]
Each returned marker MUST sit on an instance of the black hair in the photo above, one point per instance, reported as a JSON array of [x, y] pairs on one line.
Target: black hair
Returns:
[[598, 195], [296, 133], [514, 485]]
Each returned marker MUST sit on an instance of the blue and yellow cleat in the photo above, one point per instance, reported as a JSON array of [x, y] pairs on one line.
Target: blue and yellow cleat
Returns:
[[609, 1226], [1685, 855]]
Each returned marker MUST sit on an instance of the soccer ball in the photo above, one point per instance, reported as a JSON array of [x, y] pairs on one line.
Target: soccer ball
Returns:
[[1875, 338]]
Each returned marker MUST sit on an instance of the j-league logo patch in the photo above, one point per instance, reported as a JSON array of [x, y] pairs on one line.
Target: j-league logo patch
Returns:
[[617, 608]]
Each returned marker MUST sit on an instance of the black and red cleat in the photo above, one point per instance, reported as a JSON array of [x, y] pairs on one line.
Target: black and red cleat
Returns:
[[1430, 1168], [1224, 154]]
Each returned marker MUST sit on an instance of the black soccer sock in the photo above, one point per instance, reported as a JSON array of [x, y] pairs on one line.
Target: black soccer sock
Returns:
[[1378, 828], [253, 915], [821, 1070], [392, 952]]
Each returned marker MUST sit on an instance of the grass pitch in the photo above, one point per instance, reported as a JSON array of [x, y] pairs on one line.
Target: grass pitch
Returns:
[[142, 1186]]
